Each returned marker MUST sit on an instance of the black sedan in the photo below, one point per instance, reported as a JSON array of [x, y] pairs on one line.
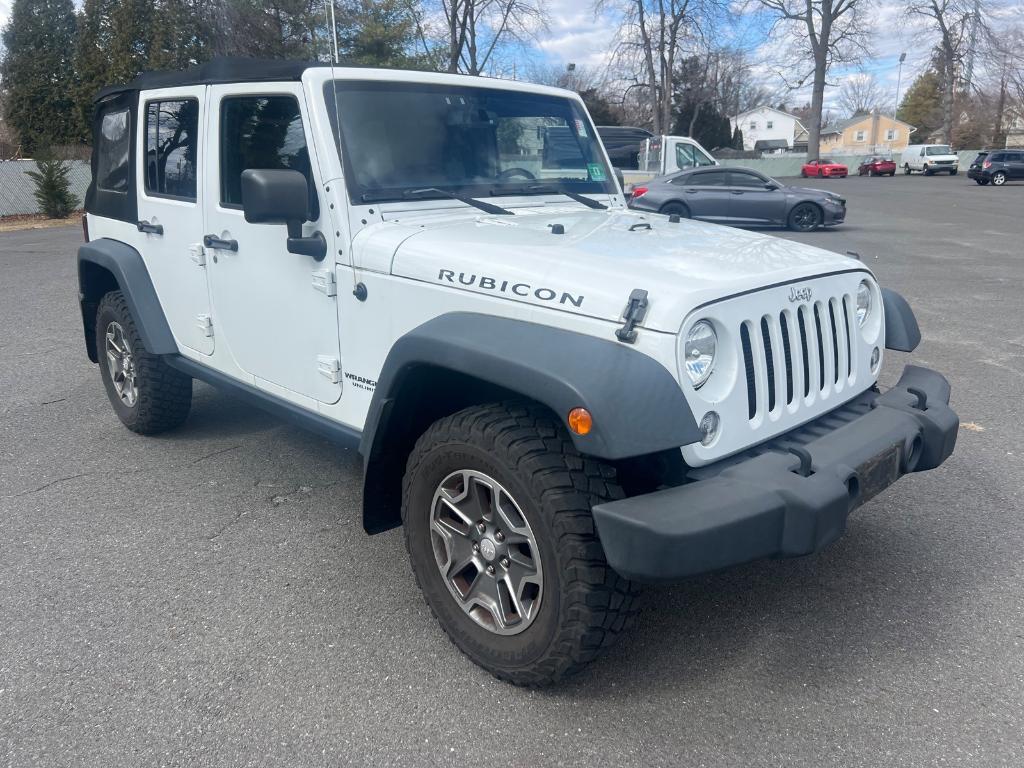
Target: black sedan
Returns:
[[739, 197]]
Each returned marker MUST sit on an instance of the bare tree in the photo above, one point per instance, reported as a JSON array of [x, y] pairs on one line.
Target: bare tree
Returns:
[[467, 35], [860, 94], [831, 31], [651, 37], [952, 21]]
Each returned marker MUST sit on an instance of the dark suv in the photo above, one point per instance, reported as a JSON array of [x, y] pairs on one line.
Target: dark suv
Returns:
[[997, 166]]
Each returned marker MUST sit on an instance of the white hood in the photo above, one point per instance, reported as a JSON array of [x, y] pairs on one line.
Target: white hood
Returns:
[[593, 266]]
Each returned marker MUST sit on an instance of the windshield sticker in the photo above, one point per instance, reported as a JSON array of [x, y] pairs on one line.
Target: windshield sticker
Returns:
[[596, 171], [581, 129]]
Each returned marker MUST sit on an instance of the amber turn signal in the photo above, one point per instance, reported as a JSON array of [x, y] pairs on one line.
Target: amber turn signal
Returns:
[[580, 421]]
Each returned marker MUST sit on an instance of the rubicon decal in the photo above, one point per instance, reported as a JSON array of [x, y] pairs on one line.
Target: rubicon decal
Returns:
[[508, 287]]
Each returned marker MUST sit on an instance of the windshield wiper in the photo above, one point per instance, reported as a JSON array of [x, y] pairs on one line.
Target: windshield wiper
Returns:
[[411, 194], [551, 189]]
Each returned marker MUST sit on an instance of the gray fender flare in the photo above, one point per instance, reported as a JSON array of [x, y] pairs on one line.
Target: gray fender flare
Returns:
[[901, 331], [637, 405], [100, 259]]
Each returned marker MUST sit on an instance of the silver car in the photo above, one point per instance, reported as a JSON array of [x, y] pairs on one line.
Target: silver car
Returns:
[[739, 197]]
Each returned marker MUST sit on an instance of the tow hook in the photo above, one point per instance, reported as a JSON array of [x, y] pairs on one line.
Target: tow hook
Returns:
[[634, 313]]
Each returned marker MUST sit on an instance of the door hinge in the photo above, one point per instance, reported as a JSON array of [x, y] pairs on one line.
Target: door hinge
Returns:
[[634, 313], [205, 324], [198, 254], [325, 282], [329, 367]]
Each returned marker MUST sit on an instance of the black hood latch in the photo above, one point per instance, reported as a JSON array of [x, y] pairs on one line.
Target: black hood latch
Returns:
[[634, 313]]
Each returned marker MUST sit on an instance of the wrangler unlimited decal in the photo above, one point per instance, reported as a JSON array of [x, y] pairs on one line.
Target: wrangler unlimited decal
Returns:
[[506, 286]]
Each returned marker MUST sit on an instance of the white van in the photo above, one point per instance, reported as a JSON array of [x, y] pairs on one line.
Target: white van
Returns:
[[929, 159]]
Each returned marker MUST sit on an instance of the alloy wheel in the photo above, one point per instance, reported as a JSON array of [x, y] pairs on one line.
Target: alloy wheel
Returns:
[[486, 552], [121, 365], [999, 179], [806, 217]]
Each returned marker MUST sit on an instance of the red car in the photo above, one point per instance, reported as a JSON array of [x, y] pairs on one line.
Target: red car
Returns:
[[824, 167], [876, 166]]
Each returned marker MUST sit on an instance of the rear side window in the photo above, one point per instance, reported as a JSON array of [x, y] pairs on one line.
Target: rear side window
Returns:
[[172, 129], [263, 132], [707, 179], [998, 157], [113, 151]]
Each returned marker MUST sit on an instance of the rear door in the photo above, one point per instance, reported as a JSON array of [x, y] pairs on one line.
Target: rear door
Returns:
[[276, 311], [706, 194], [752, 202], [170, 209]]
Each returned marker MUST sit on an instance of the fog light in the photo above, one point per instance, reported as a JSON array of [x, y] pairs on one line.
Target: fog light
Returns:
[[876, 355], [580, 421], [709, 428]]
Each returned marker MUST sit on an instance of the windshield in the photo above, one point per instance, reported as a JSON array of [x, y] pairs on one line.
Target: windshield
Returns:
[[939, 149], [398, 138]]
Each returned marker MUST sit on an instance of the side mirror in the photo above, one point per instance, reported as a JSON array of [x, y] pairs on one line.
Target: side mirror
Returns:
[[770, 186], [281, 196]]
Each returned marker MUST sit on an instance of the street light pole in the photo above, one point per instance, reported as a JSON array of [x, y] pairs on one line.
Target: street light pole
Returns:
[[899, 77]]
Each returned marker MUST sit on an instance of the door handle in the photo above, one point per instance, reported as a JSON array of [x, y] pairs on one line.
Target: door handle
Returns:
[[691, 191], [150, 229], [736, 192], [212, 241]]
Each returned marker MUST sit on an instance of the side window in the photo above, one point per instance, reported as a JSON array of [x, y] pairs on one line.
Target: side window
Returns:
[[688, 156], [707, 179], [770, 124], [741, 179], [113, 169], [172, 129], [262, 132]]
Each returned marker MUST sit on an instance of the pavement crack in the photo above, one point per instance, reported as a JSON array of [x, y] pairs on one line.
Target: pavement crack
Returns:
[[234, 519], [215, 453], [51, 402], [44, 486]]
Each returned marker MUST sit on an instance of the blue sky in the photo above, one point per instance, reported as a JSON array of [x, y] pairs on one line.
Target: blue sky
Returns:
[[576, 34]]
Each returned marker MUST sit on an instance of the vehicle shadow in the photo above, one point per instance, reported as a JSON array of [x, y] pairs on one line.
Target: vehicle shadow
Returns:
[[794, 624]]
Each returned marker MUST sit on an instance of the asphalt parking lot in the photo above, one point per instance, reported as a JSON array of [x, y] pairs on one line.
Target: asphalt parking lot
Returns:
[[209, 597]]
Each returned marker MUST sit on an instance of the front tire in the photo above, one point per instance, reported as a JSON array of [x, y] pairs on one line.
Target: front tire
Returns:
[[805, 217], [496, 509], [147, 395]]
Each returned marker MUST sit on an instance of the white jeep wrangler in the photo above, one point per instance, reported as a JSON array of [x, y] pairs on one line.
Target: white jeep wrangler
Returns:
[[557, 397]]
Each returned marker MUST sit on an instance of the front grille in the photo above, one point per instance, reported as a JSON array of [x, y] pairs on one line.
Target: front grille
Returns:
[[798, 355]]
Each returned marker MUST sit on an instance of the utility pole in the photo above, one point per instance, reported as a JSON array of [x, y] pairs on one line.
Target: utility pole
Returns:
[[899, 78]]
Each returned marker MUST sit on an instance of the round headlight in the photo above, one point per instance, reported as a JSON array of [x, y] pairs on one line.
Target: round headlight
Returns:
[[863, 301], [699, 352]]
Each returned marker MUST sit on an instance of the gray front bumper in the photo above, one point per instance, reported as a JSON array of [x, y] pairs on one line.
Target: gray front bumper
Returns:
[[788, 497]]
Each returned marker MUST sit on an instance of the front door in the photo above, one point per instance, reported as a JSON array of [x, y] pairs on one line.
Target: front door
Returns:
[[171, 159], [275, 311], [706, 194], [752, 202]]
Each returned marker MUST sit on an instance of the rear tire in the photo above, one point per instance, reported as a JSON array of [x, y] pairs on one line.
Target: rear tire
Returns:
[[520, 454], [677, 209], [998, 178], [906, 169], [147, 395]]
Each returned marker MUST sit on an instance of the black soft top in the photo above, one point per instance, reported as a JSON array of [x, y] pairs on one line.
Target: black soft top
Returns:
[[219, 70]]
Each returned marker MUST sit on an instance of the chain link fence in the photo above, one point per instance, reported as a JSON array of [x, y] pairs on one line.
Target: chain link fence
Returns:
[[17, 190]]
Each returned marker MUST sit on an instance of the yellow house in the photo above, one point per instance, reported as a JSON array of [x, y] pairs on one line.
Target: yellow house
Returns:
[[866, 135]]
